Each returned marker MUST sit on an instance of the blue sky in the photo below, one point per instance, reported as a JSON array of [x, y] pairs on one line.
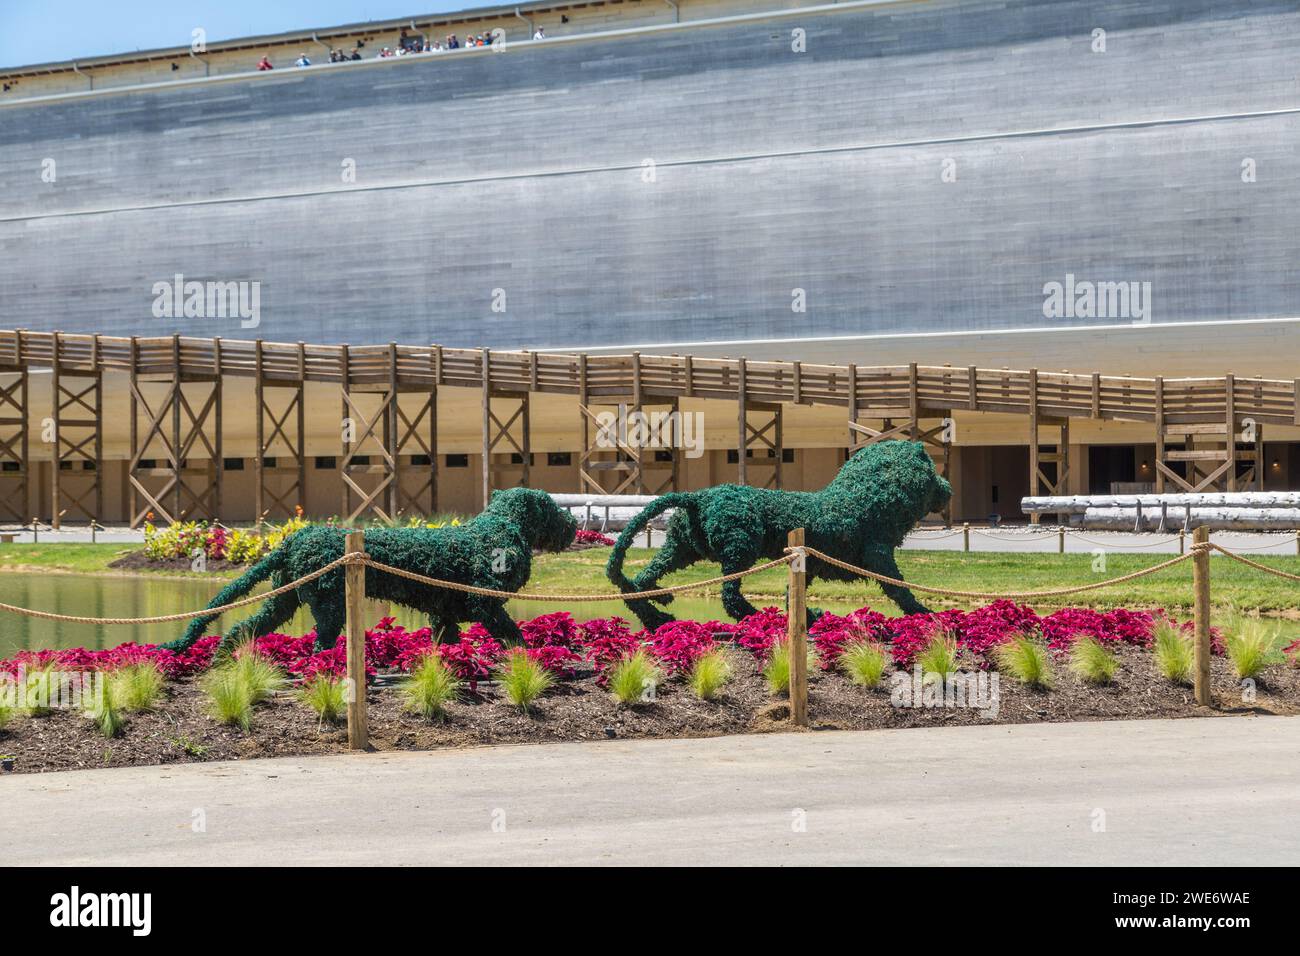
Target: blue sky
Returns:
[[38, 31]]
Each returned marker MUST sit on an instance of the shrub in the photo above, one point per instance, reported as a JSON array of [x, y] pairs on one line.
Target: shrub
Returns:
[[431, 687], [633, 679], [863, 662], [1173, 653], [135, 687], [230, 698], [777, 670], [1092, 662], [1252, 646], [107, 715], [939, 656], [523, 679], [709, 673], [260, 675], [1026, 660], [325, 695], [38, 687]]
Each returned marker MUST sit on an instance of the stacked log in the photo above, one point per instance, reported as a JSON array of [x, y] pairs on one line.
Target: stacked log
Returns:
[[1227, 511]]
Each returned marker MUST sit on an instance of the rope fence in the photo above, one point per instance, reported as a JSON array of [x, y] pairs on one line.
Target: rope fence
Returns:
[[355, 560]]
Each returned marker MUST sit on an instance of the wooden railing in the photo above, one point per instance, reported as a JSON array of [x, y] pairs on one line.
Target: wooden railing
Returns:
[[863, 389]]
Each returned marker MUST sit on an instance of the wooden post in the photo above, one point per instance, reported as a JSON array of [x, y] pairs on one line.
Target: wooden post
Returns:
[[355, 582], [797, 636], [1201, 587], [965, 536], [1297, 543], [1182, 540], [1060, 541]]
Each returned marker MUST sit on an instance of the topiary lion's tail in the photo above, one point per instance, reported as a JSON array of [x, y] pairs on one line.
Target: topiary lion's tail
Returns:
[[233, 591], [614, 569]]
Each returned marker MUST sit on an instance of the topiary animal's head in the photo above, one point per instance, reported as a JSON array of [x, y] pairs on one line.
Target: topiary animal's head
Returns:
[[896, 482], [544, 524]]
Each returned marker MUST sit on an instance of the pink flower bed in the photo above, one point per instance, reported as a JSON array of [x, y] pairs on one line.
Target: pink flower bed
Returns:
[[562, 645], [593, 537]]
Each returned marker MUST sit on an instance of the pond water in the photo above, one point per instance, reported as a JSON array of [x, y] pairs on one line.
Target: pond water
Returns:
[[96, 596]]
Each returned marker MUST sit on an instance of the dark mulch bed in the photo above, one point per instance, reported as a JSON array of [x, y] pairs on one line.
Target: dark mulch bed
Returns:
[[140, 561], [180, 731]]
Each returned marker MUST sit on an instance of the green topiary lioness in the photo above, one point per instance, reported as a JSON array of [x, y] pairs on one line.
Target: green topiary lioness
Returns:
[[494, 550], [860, 517]]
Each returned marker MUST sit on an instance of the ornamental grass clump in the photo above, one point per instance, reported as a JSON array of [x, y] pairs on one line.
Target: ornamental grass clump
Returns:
[[431, 687], [1173, 652], [1252, 646], [777, 669], [709, 674], [230, 698], [1091, 662], [107, 714], [326, 695], [262, 677], [939, 656], [863, 662], [1027, 660], [633, 680], [523, 679], [135, 687]]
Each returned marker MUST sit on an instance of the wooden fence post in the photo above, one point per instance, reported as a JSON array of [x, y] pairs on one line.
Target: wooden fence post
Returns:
[[1060, 541], [1201, 587], [797, 636], [1182, 541], [965, 536], [355, 582]]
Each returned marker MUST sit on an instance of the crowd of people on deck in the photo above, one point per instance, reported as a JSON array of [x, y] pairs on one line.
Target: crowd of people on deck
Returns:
[[406, 46]]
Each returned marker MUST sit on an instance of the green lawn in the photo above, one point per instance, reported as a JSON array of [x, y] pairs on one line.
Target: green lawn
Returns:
[[583, 572]]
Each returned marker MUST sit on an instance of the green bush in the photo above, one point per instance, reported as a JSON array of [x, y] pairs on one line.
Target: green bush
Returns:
[[1173, 652], [864, 662], [431, 687], [522, 679], [1091, 661], [940, 655], [262, 677], [1252, 645], [633, 679], [230, 695], [325, 695], [107, 715], [1027, 660], [709, 674], [777, 670], [38, 689], [135, 687]]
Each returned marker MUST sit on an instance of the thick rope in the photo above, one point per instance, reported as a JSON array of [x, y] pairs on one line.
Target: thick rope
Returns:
[[1020, 595], [535, 596], [362, 559], [1254, 564], [183, 615]]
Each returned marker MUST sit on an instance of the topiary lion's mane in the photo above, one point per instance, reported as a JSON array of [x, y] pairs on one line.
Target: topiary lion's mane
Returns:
[[493, 550], [879, 495]]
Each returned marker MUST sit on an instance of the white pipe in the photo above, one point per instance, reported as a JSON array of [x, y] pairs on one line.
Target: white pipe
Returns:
[[207, 67], [90, 83], [526, 20], [677, 12]]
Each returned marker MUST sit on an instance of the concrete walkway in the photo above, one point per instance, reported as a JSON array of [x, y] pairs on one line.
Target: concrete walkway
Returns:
[[1199, 791]]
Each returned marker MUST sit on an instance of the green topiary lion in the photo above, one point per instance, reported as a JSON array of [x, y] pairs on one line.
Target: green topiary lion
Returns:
[[860, 517], [494, 550]]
